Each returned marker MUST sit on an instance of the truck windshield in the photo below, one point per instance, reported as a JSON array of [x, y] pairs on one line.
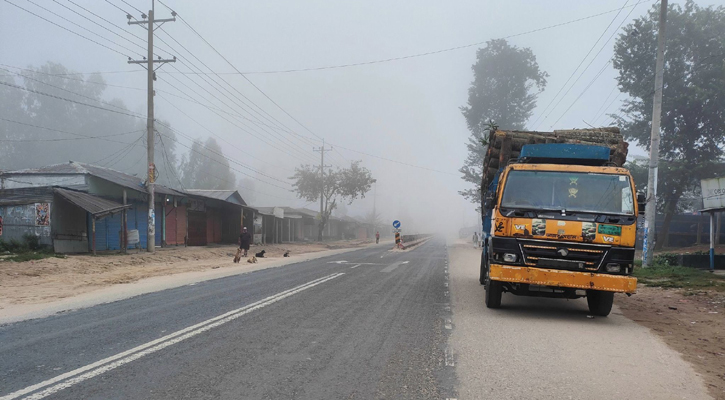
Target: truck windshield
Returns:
[[570, 191]]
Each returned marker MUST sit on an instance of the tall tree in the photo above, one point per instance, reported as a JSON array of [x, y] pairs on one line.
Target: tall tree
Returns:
[[506, 83], [76, 131], [340, 185], [206, 168], [692, 124]]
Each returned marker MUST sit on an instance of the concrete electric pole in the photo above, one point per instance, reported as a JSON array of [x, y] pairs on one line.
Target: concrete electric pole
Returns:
[[654, 148], [322, 181], [149, 65]]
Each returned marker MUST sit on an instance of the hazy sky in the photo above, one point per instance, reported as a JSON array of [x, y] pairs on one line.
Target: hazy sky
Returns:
[[406, 110]]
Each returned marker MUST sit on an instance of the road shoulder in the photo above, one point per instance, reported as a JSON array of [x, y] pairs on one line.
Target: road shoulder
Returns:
[[548, 348]]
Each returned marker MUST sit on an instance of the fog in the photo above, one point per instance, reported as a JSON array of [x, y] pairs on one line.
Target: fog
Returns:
[[400, 117]]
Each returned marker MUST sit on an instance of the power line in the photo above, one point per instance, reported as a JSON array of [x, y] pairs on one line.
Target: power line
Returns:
[[586, 68], [245, 78], [580, 64], [66, 90], [394, 161], [66, 76], [583, 91], [81, 136], [69, 100], [134, 7], [82, 27], [66, 29], [96, 23], [212, 132], [417, 54], [255, 135]]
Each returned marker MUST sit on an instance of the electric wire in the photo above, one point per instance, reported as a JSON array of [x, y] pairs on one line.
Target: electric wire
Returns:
[[385, 60], [80, 136], [84, 28], [580, 64], [66, 29], [585, 69]]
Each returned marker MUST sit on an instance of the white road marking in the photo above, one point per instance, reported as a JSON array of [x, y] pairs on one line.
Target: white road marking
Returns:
[[445, 284], [337, 262], [449, 357], [393, 266], [355, 266], [109, 363], [448, 324]]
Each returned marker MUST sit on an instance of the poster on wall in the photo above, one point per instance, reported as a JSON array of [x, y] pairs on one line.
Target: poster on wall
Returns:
[[42, 214], [1, 225]]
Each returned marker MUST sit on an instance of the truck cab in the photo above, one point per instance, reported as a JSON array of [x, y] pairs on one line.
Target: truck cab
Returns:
[[561, 222]]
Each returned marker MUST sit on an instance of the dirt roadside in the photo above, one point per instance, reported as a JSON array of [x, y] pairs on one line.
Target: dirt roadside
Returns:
[[53, 279], [694, 325]]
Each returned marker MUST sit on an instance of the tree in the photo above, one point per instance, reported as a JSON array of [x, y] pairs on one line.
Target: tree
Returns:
[[246, 190], [692, 124], [75, 131], [506, 83], [340, 185], [206, 168]]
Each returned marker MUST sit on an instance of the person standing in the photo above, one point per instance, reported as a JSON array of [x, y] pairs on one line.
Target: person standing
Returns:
[[475, 239], [245, 239], [377, 237]]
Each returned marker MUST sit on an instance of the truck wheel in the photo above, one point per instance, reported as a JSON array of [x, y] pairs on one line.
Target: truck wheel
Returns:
[[482, 274], [494, 290], [600, 302]]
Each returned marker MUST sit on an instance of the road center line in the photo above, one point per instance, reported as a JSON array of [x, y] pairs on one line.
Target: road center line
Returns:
[[355, 266], [109, 363]]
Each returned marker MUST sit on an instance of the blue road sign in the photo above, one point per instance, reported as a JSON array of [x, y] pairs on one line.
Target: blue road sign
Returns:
[[396, 224]]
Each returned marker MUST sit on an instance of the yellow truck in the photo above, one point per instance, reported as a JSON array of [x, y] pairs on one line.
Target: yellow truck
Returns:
[[559, 216]]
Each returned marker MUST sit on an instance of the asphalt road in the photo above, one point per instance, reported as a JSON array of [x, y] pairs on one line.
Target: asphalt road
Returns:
[[365, 324]]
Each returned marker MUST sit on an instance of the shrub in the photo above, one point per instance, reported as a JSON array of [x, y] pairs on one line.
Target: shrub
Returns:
[[31, 242]]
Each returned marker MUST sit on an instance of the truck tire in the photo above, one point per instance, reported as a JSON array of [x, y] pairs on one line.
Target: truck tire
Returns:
[[494, 290], [482, 274], [600, 302]]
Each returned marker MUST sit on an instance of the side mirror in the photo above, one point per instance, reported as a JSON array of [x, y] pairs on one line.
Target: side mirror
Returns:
[[641, 202]]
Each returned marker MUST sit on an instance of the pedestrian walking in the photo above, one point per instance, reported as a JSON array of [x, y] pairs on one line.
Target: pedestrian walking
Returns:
[[475, 239], [377, 237]]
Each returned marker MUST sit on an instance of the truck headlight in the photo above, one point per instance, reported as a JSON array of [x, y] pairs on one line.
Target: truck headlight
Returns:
[[510, 257], [614, 268]]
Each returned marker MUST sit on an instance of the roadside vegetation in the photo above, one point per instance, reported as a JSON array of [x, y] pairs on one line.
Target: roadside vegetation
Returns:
[[665, 275], [26, 249]]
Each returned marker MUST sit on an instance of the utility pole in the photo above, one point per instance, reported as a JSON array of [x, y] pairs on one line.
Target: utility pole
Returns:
[[322, 184], [654, 148], [150, 137]]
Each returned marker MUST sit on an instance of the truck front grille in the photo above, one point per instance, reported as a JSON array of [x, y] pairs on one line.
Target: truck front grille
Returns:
[[562, 255]]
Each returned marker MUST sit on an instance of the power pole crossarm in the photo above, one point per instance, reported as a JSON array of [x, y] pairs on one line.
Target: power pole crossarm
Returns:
[[148, 63], [654, 148]]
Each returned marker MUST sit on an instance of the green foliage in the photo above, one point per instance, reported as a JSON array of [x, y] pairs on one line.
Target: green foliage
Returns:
[[664, 275], [692, 126], [342, 184], [206, 168], [27, 249], [506, 82]]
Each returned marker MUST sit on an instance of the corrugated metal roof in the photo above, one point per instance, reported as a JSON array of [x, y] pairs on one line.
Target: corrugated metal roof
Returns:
[[231, 196], [117, 177], [97, 206], [38, 194]]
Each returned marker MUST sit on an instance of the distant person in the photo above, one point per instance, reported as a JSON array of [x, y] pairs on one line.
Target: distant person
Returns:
[[245, 239], [377, 237], [475, 239]]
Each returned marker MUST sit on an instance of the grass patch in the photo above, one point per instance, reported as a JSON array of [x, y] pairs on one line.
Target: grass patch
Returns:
[[668, 276], [32, 256]]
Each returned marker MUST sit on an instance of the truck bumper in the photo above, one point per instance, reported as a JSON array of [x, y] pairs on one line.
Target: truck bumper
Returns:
[[560, 278]]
